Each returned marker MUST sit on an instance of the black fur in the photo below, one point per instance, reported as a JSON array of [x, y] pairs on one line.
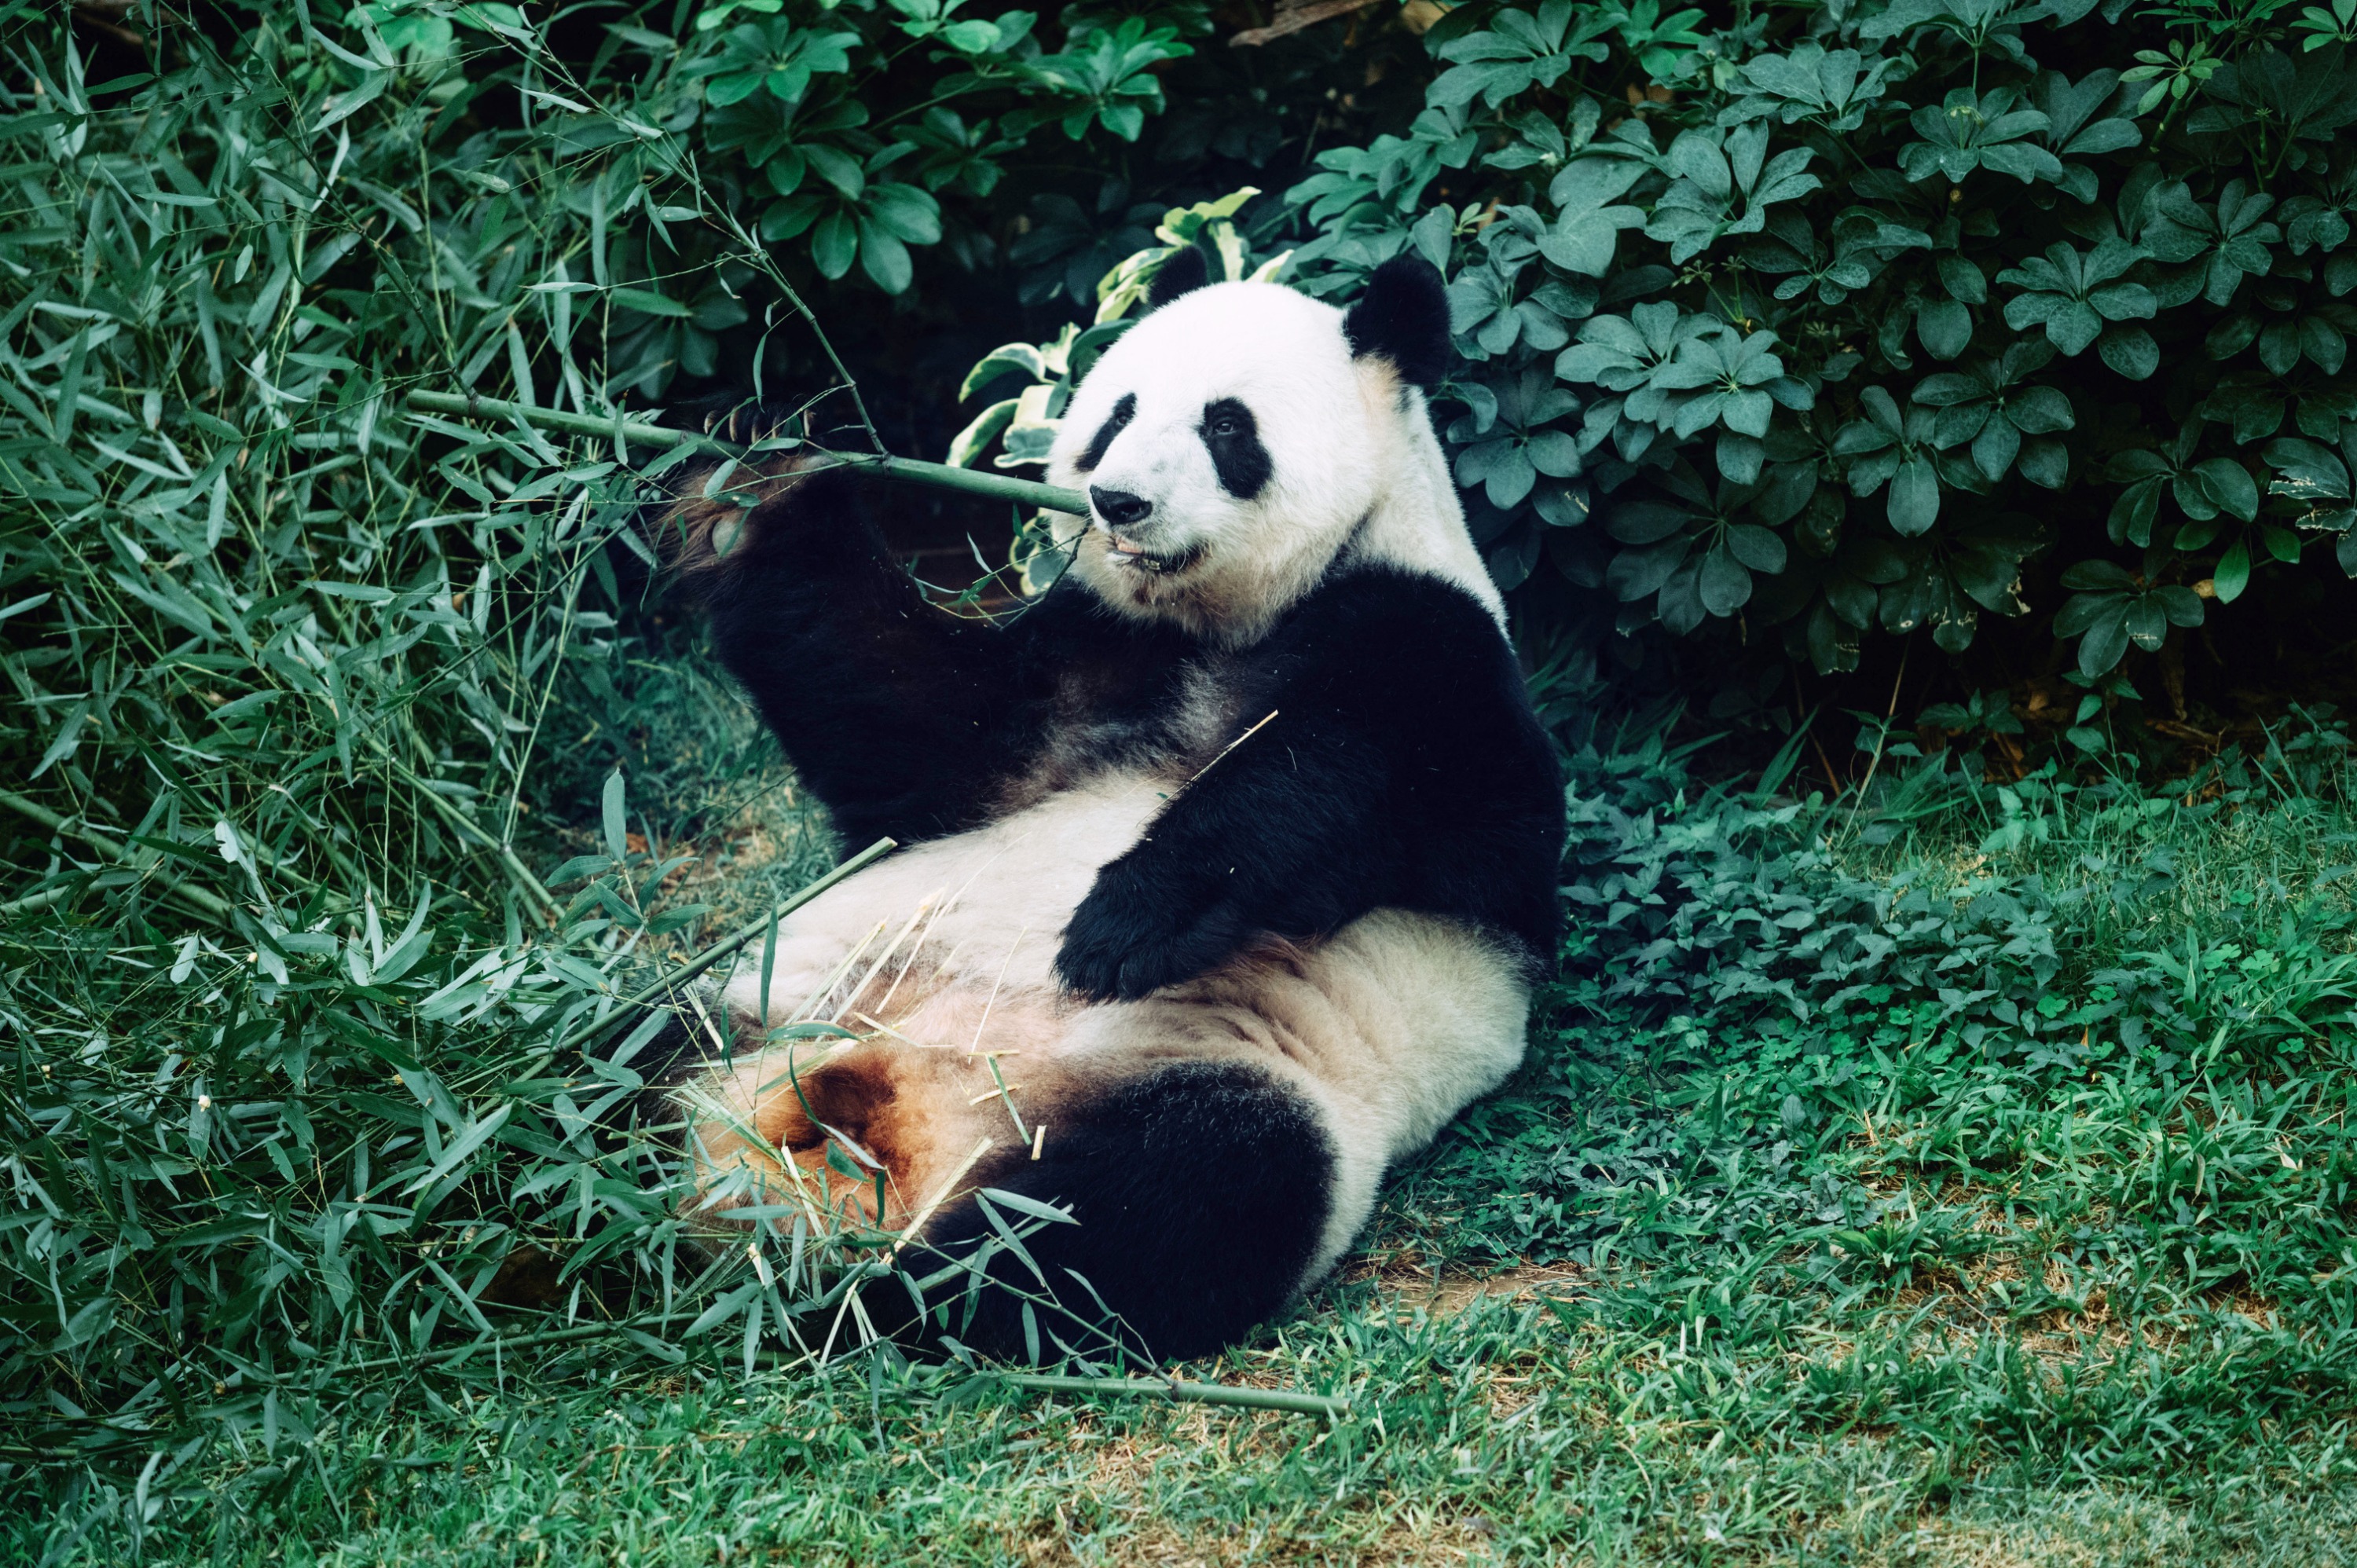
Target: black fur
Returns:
[[903, 719], [1184, 270], [1233, 434], [1201, 1192], [1403, 316], [1115, 422], [1405, 768]]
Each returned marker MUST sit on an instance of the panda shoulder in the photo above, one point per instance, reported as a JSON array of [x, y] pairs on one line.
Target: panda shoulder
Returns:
[[1402, 607]]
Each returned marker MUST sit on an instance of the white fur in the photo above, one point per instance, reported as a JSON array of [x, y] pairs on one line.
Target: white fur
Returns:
[[1388, 1028], [1349, 443]]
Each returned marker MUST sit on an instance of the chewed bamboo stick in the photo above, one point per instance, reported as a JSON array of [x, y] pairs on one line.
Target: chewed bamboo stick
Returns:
[[942, 476]]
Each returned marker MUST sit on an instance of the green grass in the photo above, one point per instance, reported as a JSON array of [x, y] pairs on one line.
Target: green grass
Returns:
[[1760, 1287]]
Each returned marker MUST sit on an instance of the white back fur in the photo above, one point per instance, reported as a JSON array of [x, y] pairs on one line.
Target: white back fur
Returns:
[[1349, 442]]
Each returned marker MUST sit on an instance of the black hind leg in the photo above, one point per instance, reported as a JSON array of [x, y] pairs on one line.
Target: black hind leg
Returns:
[[1200, 1193]]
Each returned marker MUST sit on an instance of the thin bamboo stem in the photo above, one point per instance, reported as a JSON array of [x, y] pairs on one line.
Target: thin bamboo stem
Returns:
[[112, 848], [942, 476], [1283, 1399], [1196, 1393], [582, 1034]]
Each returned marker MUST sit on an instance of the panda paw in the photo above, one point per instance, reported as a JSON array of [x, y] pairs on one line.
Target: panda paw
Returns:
[[1125, 943]]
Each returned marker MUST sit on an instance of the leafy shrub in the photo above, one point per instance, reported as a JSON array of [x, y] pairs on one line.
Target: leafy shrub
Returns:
[[1833, 317], [1842, 292]]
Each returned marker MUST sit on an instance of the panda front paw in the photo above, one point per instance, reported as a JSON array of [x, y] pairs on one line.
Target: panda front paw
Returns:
[[1127, 940]]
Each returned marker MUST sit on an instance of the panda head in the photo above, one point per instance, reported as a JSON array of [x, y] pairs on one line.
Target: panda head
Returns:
[[1233, 441]]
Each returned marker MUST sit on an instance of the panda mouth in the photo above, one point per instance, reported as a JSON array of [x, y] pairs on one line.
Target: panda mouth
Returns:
[[1128, 553]]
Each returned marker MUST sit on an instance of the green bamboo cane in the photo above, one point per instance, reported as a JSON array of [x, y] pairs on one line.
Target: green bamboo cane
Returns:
[[582, 1033], [942, 476], [1199, 1394]]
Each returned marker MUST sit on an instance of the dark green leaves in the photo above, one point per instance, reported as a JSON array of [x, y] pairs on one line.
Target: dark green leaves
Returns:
[[1722, 182], [1725, 292], [1965, 132], [1505, 442], [1691, 551], [775, 56], [1519, 50], [1587, 223], [2113, 607], [1830, 87], [1885, 448], [2074, 294], [2316, 480], [2216, 245], [1110, 74], [1992, 408]]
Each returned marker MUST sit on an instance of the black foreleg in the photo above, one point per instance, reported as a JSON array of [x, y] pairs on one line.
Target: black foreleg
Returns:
[[899, 717], [1402, 768]]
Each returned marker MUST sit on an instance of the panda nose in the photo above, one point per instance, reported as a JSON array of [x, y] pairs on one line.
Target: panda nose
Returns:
[[1119, 508]]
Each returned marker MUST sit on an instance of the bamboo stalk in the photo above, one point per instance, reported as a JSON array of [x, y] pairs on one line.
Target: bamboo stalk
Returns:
[[582, 1034], [1196, 1393], [942, 476], [510, 1342], [112, 848]]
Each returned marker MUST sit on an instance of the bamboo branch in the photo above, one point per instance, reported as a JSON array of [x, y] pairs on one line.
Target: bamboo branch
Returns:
[[1198, 1393], [582, 1034], [942, 476], [1285, 1399], [114, 849]]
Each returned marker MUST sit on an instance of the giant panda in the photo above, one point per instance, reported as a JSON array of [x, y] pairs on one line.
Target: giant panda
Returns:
[[1235, 852]]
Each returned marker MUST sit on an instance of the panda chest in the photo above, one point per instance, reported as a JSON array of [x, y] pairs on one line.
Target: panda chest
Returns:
[[1097, 732]]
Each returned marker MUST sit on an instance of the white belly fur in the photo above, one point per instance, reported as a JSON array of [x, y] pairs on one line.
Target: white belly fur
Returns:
[[1388, 1028]]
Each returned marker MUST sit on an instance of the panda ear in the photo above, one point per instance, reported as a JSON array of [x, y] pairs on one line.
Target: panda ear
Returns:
[[1184, 270], [1403, 317]]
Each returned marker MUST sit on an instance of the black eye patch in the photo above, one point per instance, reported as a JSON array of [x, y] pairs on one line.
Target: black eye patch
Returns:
[[1115, 422], [1233, 436]]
